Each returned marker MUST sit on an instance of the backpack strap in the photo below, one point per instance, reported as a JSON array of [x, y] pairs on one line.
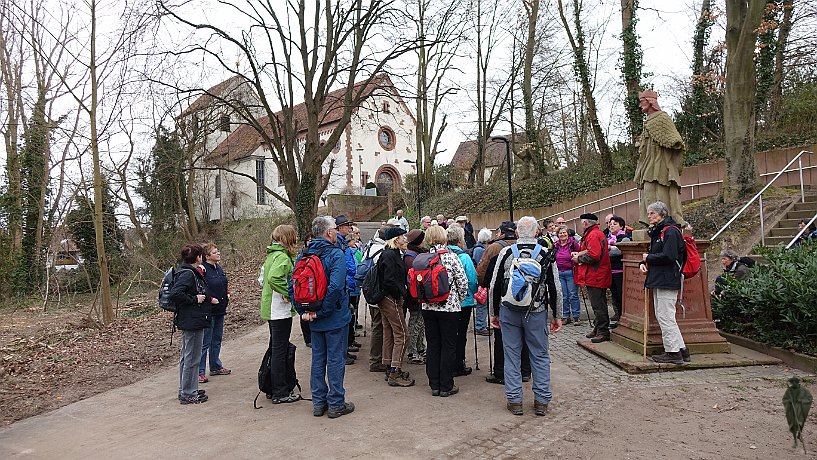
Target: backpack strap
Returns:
[[503, 243], [515, 251], [535, 253]]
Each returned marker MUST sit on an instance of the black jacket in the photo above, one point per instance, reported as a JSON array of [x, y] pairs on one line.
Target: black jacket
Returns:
[[216, 287], [191, 315], [665, 257], [392, 273]]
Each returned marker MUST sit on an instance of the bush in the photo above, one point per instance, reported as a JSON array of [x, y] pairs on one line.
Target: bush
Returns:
[[776, 304]]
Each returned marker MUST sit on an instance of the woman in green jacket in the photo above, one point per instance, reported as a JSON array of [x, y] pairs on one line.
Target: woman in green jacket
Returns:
[[276, 307]]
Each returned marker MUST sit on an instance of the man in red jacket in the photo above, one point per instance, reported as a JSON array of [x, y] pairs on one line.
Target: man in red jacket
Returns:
[[593, 271]]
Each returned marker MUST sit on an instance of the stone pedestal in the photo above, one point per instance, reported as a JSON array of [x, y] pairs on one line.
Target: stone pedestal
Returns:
[[697, 326]]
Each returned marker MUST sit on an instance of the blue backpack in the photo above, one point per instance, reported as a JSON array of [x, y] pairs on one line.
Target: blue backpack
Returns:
[[523, 279]]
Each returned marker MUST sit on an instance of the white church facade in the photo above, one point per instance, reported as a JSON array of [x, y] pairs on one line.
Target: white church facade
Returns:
[[372, 149]]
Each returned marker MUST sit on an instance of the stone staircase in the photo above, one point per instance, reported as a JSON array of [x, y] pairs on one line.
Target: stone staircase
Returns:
[[786, 228]]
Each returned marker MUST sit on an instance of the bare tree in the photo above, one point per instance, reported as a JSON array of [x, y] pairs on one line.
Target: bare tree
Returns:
[[742, 21], [290, 51], [582, 68]]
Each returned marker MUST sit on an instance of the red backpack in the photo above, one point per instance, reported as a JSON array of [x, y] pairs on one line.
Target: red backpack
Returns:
[[428, 278], [692, 265], [309, 282]]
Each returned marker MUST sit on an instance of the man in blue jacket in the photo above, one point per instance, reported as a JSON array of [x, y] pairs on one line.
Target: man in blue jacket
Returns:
[[329, 324], [344, 230]]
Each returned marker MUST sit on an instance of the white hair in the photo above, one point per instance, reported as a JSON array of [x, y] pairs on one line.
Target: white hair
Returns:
[[484, 235], [526, 227], [456, 234], [321, 225], [660, 208]]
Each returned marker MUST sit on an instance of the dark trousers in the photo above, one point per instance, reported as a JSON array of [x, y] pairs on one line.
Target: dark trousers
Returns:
[[499, 357], [616, 292], [279, 331], [353, 300], [462, 335], [307, 331], [441, 344], [598, 300]]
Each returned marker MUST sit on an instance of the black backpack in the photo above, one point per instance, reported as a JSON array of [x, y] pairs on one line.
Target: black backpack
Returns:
[[164, 290], [266, 377], [748, 261], [372, 287]]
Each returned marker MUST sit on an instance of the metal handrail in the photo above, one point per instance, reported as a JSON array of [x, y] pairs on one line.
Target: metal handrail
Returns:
[[800, 233], [758, 196]]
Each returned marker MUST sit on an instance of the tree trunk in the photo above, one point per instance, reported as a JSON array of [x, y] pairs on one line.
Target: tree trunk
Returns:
[[531, 130], [104, 274], [776, 95], [306, 206], [742, 20], [631, 69]]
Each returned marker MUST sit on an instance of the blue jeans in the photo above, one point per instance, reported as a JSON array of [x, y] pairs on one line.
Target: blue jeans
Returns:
[[570, 295], [188, 358], [516, 326], [481, 321], [211, 344], [328, 363]]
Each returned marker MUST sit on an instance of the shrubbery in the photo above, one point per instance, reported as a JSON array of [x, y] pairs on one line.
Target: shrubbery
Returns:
[[777, 304]]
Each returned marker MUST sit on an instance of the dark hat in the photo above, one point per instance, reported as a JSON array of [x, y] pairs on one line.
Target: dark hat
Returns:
[[589, 216], [393, 232], [507, 227], [415, 237], [342, 220]]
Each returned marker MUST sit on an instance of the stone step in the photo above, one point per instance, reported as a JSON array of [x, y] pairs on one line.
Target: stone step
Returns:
[[788, 223], [807, 206], [784, 231], [778, 240], [800, 215]]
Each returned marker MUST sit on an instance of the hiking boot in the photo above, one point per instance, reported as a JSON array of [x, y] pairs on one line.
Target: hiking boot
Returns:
[[600, 338], [203, 378], [568, 320], [352, 348], [378, 367], [349, 361], [404, 374], [356, 344], [685, 355], [591, 334], [526, 378], [398, 379], [454, 390], [184, 400], [290, 398], [221, 371], [351, 356], [309, 345], [491, 378], [540, 409], [515, 408], [319, 411], [484, 332], [576, 322], [346, 408], [465, 370], [669, 358], [358, 326], [435, 392]]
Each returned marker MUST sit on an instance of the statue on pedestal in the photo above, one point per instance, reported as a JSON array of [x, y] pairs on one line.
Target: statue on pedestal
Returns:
[[660, 160]]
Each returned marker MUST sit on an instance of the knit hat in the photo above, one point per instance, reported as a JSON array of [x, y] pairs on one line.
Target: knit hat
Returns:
[[393, 232], [415, 237]]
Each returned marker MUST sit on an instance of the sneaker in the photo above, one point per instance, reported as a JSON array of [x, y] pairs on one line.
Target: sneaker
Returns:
[[357, 344], [198, 392], [515, 408], [397, 379], [484, 332], [491, 378], [454, 390], [685, 355], [378, 367], [669, 358], [221, 371], [600, 338], [197, 399], [290, 398], [568, 320], [347, 408], [352, 348], [203, 378], [540, 409], [318, 411], [435, 392], [349, 361], [404, 374], [463, 371], [417, 360]]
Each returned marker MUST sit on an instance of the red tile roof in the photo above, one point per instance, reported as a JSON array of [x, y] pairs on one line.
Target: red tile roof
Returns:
[[245, 140]]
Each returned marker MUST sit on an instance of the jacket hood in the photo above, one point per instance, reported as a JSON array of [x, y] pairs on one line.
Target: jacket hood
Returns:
[[275, 247], [319, 243], [667, 221]]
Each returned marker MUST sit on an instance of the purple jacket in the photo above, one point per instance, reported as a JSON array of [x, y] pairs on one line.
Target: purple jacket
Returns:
[[563, 259]]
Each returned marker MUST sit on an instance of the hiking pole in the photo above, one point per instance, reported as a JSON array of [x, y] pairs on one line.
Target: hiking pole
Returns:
[[476, 353], [586, 311], [490, 350], [365, 318], [646, 319]]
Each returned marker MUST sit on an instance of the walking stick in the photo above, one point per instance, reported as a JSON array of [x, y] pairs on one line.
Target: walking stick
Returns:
[[584, 299], [646, 318], [365, 318], [490, 349], [476, 353]]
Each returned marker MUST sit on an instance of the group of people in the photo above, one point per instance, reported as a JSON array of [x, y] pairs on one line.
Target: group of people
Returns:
[[482, 273]]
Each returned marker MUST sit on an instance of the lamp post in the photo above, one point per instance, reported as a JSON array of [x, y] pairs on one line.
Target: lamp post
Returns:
[[417, 179], [508, 160]]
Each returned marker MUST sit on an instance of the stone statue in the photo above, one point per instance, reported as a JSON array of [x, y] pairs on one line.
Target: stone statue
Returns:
[[660, 160]]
